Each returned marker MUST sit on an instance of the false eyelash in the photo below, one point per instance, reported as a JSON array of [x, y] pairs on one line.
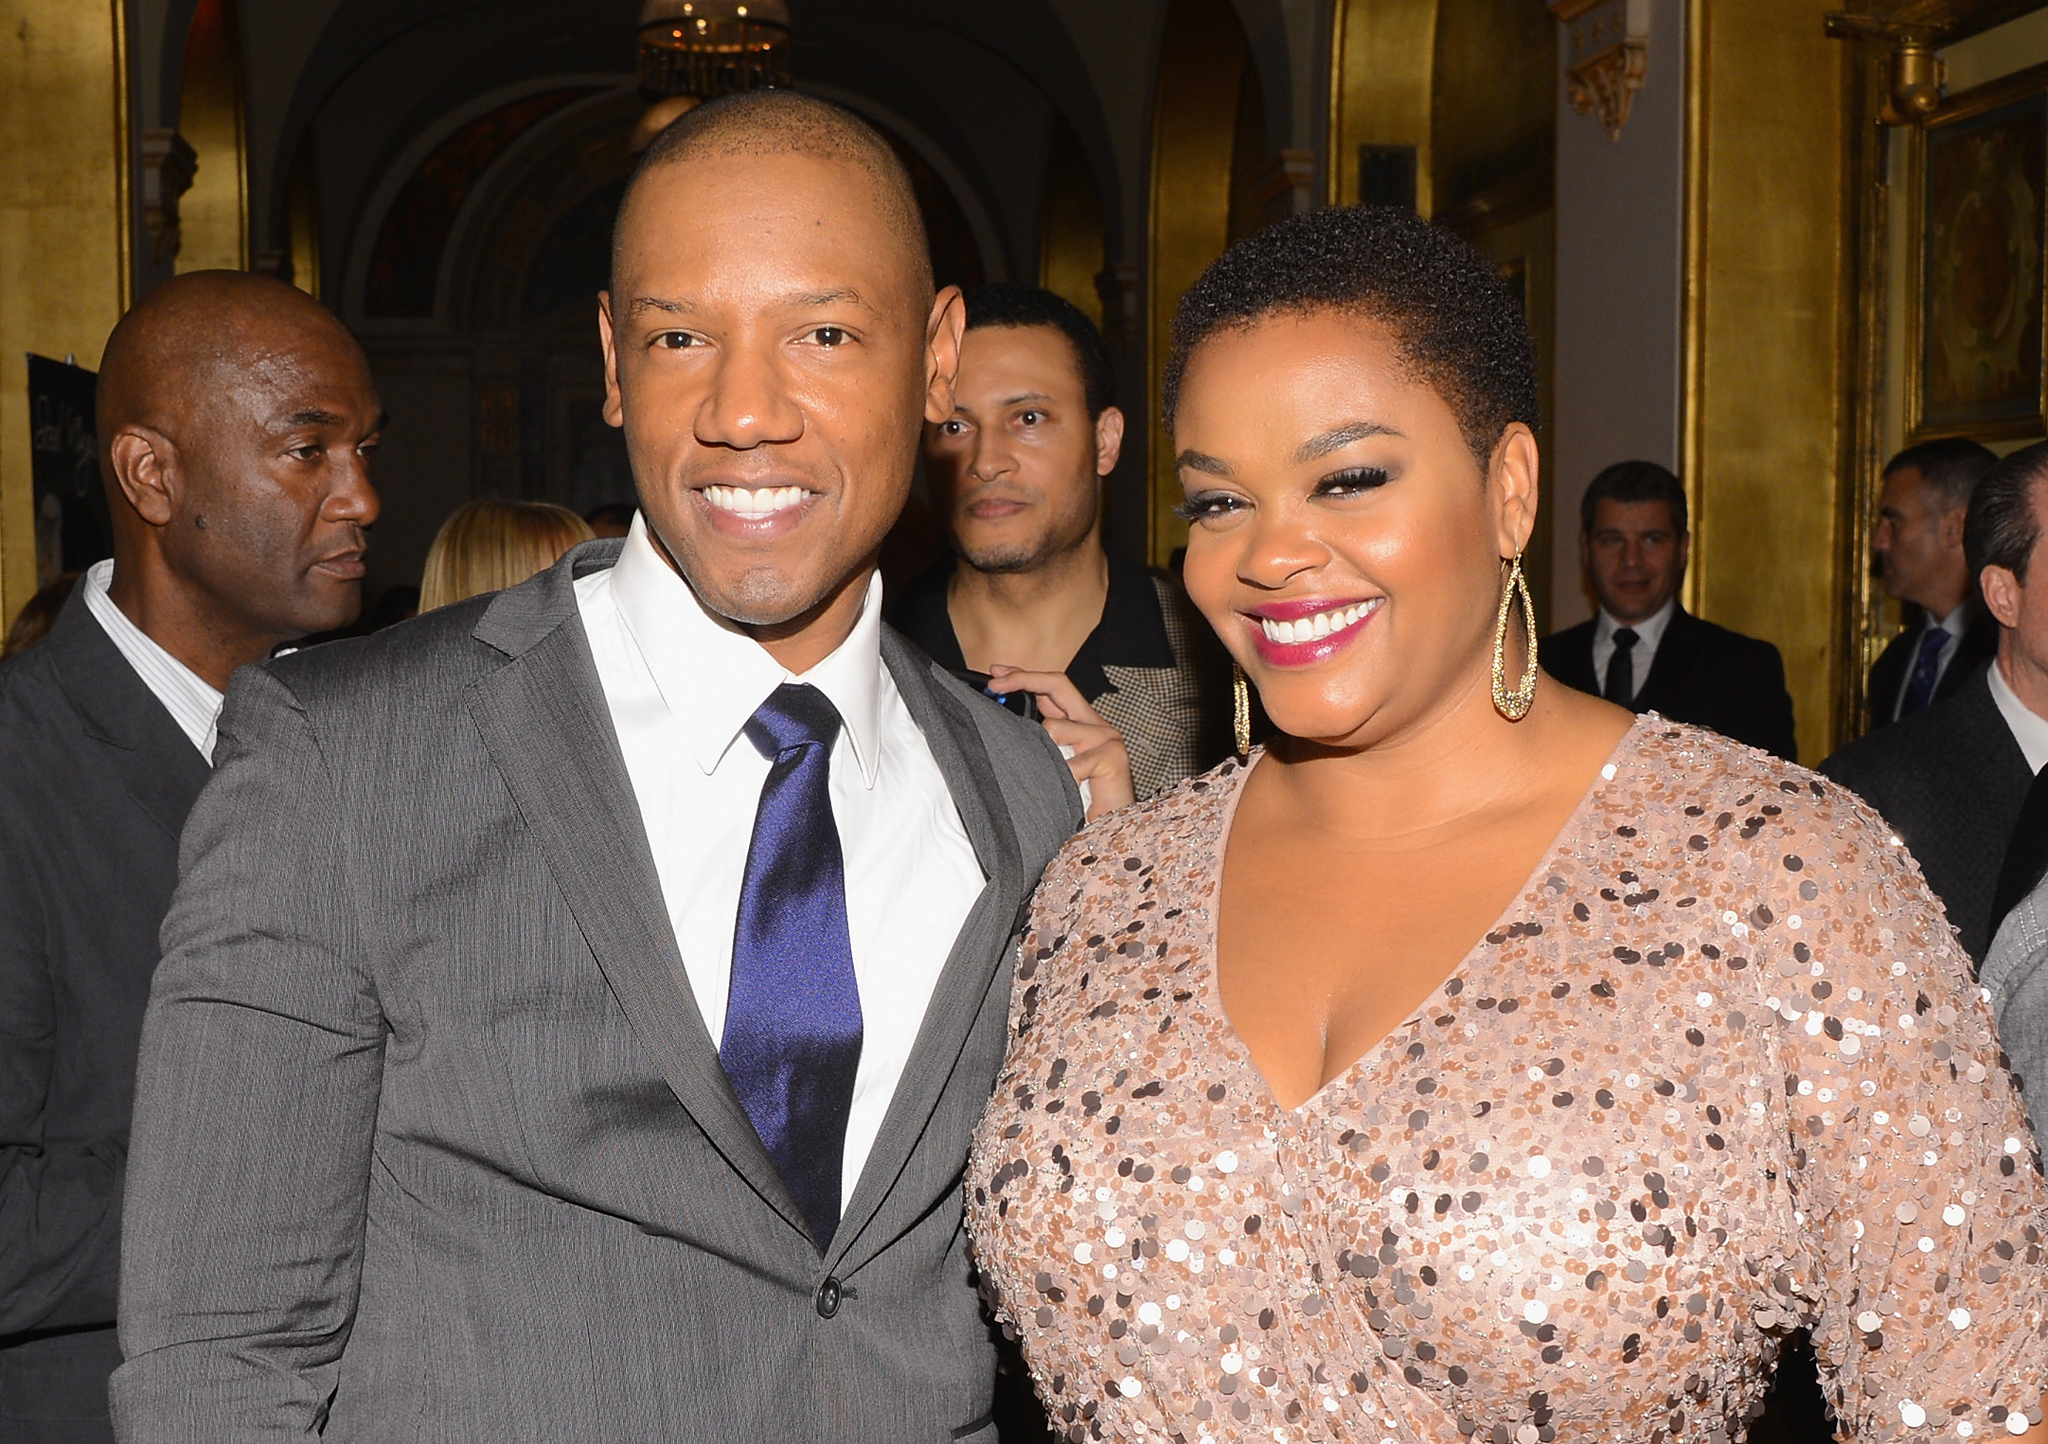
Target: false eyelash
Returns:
[[1197, 507], [1357, 476]]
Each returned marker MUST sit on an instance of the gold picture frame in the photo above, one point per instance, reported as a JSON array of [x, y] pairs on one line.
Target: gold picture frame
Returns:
[[1976, 364]]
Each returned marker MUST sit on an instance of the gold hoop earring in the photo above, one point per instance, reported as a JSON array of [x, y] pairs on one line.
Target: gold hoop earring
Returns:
[[1240, 711], [1514, 705]]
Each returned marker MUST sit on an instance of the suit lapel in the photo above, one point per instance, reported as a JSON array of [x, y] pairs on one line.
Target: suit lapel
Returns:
[[1674, 658], [977, 952], [543, 718], [157, 764]]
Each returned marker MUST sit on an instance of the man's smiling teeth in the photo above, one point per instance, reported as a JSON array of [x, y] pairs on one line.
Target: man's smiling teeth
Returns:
[[746, 502], [1321, 625]]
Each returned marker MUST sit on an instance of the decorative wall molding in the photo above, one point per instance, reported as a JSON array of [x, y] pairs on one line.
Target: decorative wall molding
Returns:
[[168, 166], [1606, 46], [1285, 187]]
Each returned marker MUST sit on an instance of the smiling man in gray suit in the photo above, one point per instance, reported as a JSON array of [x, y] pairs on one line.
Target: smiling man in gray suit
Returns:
[[577, 1002]]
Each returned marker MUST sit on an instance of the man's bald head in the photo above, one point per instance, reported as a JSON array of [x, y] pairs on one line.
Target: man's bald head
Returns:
[[177, 347], [236, 418], [785, 122]]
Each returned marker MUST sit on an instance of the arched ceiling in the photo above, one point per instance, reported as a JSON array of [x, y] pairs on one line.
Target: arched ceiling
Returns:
[[974, 86]]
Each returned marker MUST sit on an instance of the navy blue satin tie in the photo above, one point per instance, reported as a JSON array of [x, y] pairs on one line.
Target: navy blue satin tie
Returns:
[[1926, 672], [792, 1019]]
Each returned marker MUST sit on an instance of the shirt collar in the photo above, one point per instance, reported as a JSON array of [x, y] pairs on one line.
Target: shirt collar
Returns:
[[1649, 632], [193, 702], [712, 676], [1130, 633], [2029, 728], [1955, 623]]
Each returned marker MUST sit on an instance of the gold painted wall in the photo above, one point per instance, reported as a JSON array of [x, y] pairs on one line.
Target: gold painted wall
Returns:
[[1384, 54], [302, 220], [1202, 67], [214, 214], [1767, 370], [64, 223]]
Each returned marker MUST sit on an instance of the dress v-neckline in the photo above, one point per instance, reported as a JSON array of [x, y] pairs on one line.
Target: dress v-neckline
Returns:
[[1212, 990]]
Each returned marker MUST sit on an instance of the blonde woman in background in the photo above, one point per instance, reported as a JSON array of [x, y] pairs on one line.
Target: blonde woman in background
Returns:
[[487, 546]]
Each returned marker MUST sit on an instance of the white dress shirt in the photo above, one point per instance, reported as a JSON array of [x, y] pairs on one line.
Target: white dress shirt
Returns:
[[2029, 728], [191, 700], [1649, 632], [681, 684], [1954, 624]]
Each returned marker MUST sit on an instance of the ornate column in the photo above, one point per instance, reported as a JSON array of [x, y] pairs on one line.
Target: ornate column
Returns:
[[168, 166]]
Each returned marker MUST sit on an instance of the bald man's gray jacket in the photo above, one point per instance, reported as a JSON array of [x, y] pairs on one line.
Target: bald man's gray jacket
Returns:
[[431, 1142]]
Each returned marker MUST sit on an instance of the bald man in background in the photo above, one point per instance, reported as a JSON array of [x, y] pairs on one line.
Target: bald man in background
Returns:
[[235, 419], [578, 1001]]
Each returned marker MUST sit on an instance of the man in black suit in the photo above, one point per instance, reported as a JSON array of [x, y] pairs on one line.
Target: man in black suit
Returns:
[[1918, 554], [1954, 777], [235, 416], [1644, 650]]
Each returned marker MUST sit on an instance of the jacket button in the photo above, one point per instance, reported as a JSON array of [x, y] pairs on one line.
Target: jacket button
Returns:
[[828, 1298]]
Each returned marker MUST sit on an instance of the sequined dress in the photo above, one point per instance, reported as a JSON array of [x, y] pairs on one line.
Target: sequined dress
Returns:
[[1718, 1073]]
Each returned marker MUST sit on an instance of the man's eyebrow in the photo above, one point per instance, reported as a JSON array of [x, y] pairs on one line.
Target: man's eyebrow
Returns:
[[658, 303], [314, 416], [827, 298], [1027, 396], [1336, 439], [1203, 462]]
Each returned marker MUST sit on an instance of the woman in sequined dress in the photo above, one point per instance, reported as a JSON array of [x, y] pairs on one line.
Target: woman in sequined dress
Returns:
[[1472, 1064]]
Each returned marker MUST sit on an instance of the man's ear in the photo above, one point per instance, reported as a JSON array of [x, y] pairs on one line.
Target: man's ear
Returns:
[[943, 331], [1109, 439], [146, 468], [2003, 595], [614, 404]]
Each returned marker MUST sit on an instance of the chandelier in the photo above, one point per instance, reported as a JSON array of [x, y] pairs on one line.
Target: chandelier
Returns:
[[708, 48]]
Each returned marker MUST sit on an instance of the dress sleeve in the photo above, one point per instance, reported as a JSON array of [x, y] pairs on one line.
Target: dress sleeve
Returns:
[[1916, 1177]]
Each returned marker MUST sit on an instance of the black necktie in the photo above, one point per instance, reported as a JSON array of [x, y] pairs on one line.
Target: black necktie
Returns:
[[2026, 853], [1621, 669]]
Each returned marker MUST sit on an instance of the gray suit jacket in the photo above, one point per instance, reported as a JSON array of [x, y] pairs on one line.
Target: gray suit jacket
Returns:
[[2015, 973], [431, 1142]]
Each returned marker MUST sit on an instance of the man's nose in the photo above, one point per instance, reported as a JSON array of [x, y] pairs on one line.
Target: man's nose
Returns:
[[991, 458], [353, 498], [749, 403]]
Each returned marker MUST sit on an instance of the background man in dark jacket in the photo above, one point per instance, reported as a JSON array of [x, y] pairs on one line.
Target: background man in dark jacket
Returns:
[[235, 419], [1919, 556], [1644, 650], [1955, 779]]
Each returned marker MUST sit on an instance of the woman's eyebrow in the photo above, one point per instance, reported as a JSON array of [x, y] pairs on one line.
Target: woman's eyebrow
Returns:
[[1336, 439], [1203, 461]]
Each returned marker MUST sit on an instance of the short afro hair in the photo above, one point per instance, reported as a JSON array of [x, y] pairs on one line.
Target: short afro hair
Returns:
[[1455, 322], [1005, 303]]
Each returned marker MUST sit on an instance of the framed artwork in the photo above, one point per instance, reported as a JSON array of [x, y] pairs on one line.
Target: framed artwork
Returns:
[[1974, 354]]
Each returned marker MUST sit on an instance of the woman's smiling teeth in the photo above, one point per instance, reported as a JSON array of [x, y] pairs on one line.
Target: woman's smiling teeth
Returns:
[[744, 501], [1319, 626]]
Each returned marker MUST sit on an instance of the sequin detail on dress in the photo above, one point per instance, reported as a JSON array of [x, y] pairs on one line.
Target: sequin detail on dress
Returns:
[[1719, 1074]]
